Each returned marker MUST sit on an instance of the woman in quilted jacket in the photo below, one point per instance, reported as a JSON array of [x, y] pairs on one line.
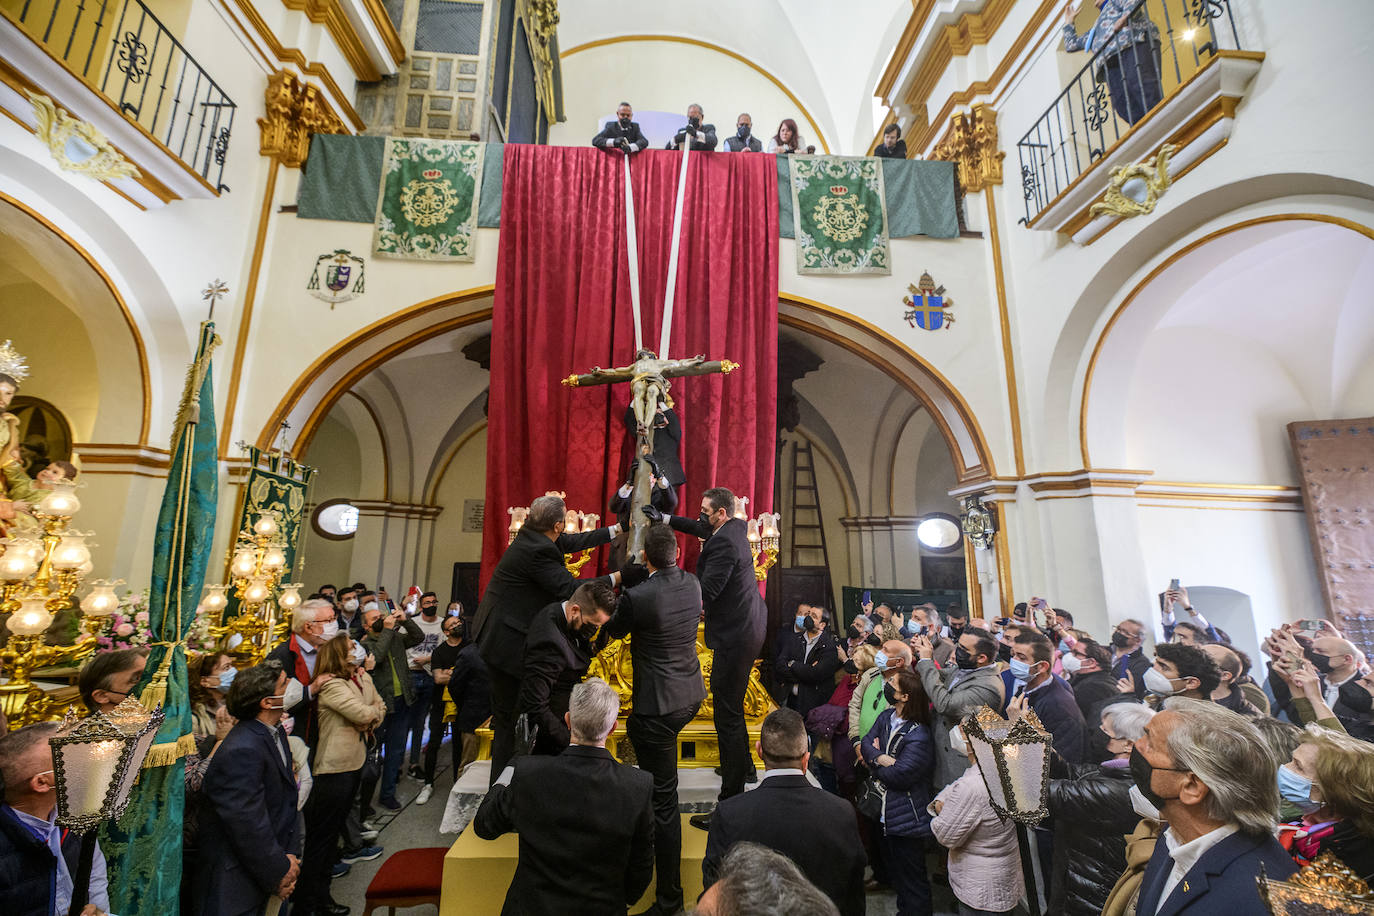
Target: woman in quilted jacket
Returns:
[[900, 754]]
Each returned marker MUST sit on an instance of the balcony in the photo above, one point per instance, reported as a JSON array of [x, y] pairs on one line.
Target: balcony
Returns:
[[1168, 72], [114, 64]]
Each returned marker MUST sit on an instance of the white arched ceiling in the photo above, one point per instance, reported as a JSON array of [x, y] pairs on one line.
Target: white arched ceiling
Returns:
[[829, 55], [1258, 328]]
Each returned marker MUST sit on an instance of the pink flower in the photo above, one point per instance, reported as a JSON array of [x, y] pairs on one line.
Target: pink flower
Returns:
[[124, 629], [141, 617]]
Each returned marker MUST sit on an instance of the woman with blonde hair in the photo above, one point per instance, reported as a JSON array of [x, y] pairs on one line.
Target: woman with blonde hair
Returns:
[[349, 708], [1330, 778]]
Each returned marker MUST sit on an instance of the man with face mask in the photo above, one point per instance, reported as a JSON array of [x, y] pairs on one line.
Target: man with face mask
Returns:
[[622, 133], [350, 614], [805, 668], [562, 641], [702, 136], [387, 639], [743, 141], [1203, 769], [1128, 654], [313, 625], [1339, 664], [1050, 697], [956, 692], [735, 620], [1180, 670]]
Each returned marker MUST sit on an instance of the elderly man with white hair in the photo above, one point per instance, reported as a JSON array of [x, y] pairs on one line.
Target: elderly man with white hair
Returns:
[[586, 822], [1207, 771], [313, 625]]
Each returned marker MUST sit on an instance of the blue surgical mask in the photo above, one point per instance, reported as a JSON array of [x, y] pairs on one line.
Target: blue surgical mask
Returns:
[[880, 660], [800, 621], [1064, 647], [1019, 669], [1297, 789], [226, 677]]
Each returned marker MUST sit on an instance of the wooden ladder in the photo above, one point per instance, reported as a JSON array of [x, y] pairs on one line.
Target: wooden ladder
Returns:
[[807, 527]]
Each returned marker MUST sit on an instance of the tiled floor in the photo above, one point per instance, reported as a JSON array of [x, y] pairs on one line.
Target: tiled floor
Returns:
[[419, 825]]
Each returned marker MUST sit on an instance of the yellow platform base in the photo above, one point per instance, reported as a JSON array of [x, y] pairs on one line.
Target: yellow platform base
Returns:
[[696, 744], [477, 873]]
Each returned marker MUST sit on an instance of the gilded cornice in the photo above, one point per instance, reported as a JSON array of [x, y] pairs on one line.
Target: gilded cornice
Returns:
[[971, 144], [295, 111], [345, 35]]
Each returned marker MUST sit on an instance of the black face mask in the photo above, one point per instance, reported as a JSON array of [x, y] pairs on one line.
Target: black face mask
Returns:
[[1120, 641], [1004, 653], [1142, 772], [1321, 662], [376, 625], [1356, 697], [810, 624], [704, 518], [625, 122], [743, 132], [852, 633], [890, 695], [963, 659], [695, 122], [956, 632]]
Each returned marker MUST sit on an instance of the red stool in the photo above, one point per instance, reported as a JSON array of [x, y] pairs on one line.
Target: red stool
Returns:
[[411, 877]]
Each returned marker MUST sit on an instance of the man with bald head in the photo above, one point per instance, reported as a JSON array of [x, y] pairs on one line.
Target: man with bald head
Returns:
[[1227, 694]]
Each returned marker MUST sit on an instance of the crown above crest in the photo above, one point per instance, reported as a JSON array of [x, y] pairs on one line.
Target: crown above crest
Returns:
[[12, 363]]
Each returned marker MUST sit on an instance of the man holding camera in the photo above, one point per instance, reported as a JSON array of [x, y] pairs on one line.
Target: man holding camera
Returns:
[[622, 133]]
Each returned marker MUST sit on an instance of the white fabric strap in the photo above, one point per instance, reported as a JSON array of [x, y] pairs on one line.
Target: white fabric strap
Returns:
[[633, 253], [667, 332]]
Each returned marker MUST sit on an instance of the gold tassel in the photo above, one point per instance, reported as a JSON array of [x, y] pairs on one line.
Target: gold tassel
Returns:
[[168, 753], [155, 694]]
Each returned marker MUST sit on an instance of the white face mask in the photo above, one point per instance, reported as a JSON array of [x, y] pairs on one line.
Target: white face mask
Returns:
[[329, 630], [1072, 663], [1158, 684], [350, 605], [956, 740], [359, 653], [1141, 805], [293, 696]]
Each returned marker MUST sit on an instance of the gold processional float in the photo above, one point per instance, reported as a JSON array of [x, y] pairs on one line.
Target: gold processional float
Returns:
[[697, 746]]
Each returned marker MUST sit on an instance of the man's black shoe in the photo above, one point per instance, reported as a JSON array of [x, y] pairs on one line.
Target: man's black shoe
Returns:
[[700, 821], [330, 909], [751, 777]]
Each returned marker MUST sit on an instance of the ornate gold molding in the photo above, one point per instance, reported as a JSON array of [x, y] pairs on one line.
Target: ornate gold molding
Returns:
[[1147, 185], [64, 135], [295, 111], [971, 144], [331, 15]]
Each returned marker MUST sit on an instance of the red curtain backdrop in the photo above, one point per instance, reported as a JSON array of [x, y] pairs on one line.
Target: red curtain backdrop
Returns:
[[563, 306]]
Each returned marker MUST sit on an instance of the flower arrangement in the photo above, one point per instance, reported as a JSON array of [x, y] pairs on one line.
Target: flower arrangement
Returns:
[[199, 638], [127, 627]]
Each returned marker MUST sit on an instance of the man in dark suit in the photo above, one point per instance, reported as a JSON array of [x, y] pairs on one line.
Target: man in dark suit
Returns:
[[806, 666], [1128, 654], [558, 650], [622, 133], [667, 436], [585, 821], [813, 828], [703, 136], [530, 576], [248, 836], [661, 614], [1205, 769], [735, 621]]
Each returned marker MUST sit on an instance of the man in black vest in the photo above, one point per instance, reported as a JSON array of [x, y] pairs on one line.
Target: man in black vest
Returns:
[[661, 615], [530, 576], [735, 621], [38, 859]]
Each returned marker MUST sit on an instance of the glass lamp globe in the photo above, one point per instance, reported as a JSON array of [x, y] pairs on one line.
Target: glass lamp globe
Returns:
[[266, 526], [101, 602], [290, 597], [256, 593], [71, 552], [274, 558], [244, 563], [31, 619], [60, 501], [214, 601], [17, 563]]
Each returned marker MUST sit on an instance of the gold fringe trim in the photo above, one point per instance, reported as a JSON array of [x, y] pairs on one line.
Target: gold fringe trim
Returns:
[[188, 410], [168, 753]]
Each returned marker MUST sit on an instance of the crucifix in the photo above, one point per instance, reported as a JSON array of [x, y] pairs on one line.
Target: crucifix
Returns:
[[648, 376]]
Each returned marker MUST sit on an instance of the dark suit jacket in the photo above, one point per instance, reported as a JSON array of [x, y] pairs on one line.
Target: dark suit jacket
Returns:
[[1222, 881], [705, 139], [556, 660], [812, 672], [662, 615], [813, 828], [248, 821], [1058, 711], [586, 833], [735, 612], [612, 134], [666, 440], [470, 687], [529, 576]]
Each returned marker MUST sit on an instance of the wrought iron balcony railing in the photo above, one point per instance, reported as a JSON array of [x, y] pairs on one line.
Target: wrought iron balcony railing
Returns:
[[1151, 50], [121, 49]]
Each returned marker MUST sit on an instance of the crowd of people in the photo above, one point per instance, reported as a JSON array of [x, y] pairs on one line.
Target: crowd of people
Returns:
[[624, 134], [1175, 775]]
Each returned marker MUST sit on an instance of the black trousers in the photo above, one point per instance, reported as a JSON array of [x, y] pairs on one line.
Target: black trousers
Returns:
[[1133, 80], [331, 797], [505, 704], [437, 727], [906, 868], [655, 742], [729, 680]]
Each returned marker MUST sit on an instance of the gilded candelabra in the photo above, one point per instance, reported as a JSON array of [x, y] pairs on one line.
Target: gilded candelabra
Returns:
[[574, 522], [38, 577], [265, 604], [764, 537]]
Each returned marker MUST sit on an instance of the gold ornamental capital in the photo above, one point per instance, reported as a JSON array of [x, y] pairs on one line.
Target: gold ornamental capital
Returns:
[[571, 381], [295, 111], [971, 144]]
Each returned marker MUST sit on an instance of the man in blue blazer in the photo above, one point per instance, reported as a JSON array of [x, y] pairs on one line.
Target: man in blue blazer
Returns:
[[249, 844], [1207, 771]]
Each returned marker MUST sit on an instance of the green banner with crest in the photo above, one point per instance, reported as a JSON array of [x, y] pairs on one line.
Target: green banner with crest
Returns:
[[279, 485], [427, 208], [840, 215]]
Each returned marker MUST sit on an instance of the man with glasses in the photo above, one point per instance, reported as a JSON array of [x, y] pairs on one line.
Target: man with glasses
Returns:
[[313, 625], [109, 677], [1128, 655], [1089, 669]]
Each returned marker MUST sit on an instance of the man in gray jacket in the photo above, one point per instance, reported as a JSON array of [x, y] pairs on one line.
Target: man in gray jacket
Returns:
[[958, 692]]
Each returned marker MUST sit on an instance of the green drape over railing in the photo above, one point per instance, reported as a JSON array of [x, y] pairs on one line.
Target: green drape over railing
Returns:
[[143, 849]]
